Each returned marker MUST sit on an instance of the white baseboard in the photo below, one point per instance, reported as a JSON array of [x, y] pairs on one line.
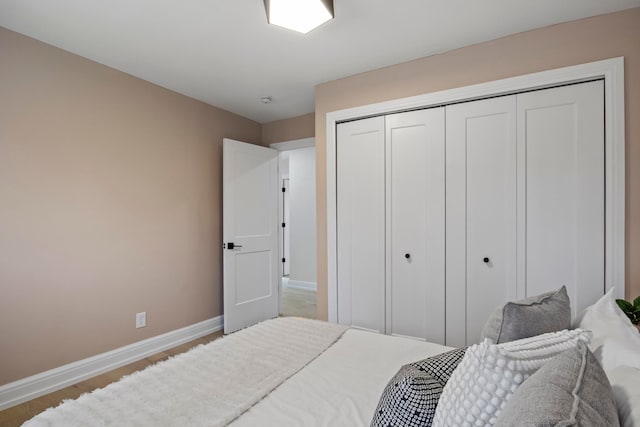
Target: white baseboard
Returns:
[[299, 284], [55, 379]]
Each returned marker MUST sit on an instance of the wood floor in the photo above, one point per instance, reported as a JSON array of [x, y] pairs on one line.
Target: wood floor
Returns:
[[17, 415]]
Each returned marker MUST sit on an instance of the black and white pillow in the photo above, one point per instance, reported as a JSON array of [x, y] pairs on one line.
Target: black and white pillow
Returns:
[[442, 365], [411, 397]]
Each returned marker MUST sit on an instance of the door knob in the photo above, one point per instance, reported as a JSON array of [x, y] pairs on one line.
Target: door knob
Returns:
[[232, 245], [485, 260], [407, 256]]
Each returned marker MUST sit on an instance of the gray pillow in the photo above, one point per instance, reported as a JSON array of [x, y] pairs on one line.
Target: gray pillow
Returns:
[[569, 390], [540, 314], [411, 397]]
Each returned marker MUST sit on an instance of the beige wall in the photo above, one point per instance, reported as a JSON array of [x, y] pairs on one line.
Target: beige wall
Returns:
[[110, 187], [289, 129], [561, 45], [110, 204]]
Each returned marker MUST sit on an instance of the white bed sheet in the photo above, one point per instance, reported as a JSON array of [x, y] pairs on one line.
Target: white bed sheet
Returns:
[[342, 386]]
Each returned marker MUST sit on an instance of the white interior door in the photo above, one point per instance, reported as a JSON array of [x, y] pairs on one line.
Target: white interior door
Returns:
[[361, 224], [250, 233], [415, 143], [481, 214]]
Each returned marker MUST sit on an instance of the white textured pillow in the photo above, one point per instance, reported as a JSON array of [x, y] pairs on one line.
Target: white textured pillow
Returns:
[[489, 374], [616, 342], [625, 383]]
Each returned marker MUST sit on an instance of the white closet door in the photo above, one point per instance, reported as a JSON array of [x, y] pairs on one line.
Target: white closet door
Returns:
[[561, 195], [481, 214], [361, 224], [415, 224]]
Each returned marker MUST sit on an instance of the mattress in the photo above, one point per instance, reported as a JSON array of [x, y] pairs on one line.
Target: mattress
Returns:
[[342, 386]]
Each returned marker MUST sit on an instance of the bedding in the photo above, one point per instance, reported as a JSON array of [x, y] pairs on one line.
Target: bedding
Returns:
[[411, 397], [342, 386], [539, 314], [490, 373], [569, 390], [625, 383], [341, 378], [616, 341], [209, 385], [331, 377]]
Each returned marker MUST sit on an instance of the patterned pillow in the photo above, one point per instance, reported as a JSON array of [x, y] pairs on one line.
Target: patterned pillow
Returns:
[[489, 374], [442, 365], [411, 397]]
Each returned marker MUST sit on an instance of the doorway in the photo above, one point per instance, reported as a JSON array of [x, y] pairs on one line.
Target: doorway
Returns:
[[297, 211]]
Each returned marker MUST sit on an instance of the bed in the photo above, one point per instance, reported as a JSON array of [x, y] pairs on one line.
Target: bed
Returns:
[[342, 386], [300, 372]]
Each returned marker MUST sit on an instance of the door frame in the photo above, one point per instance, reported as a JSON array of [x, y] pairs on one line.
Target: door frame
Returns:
[[286, 146], [283, 206], [611, 70]]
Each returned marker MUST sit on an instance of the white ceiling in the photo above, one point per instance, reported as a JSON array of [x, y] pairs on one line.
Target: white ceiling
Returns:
[[224, 53]]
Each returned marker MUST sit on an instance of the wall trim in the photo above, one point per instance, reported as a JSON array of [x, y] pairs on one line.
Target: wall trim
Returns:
[[611, 70], [294, 144], [49, 381], [299, 284]]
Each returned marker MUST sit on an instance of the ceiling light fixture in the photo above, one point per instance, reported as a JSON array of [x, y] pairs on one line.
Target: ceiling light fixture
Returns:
[[266, 100], [299, 15]]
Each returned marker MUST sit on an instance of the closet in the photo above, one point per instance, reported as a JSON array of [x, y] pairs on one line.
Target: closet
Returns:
[[445, 213]]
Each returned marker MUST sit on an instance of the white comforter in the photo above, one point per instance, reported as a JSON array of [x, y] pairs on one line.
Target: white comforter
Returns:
[[208, 386], [342, 386], [213, 384]]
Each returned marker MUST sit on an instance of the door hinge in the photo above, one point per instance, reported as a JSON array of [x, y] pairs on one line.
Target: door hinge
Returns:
[[284, 225], [283, 189], [284, 260]]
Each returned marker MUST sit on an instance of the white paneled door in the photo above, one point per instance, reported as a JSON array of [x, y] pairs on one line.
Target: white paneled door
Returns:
[[361, 224], [525, 202], [250, 234], [481, 214], [391, 217], [444, 214], [561, 192], [415, 153]]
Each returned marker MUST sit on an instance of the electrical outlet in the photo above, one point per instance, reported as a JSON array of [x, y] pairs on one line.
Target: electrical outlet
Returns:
[[141, 319]]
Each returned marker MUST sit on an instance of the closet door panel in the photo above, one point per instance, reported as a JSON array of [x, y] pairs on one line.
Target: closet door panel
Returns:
[[481, 214], [561, 137], [415, 224], [361, 224]]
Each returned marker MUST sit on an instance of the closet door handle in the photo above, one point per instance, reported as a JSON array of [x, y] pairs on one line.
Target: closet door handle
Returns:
[[485, 260], [407, 256]]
